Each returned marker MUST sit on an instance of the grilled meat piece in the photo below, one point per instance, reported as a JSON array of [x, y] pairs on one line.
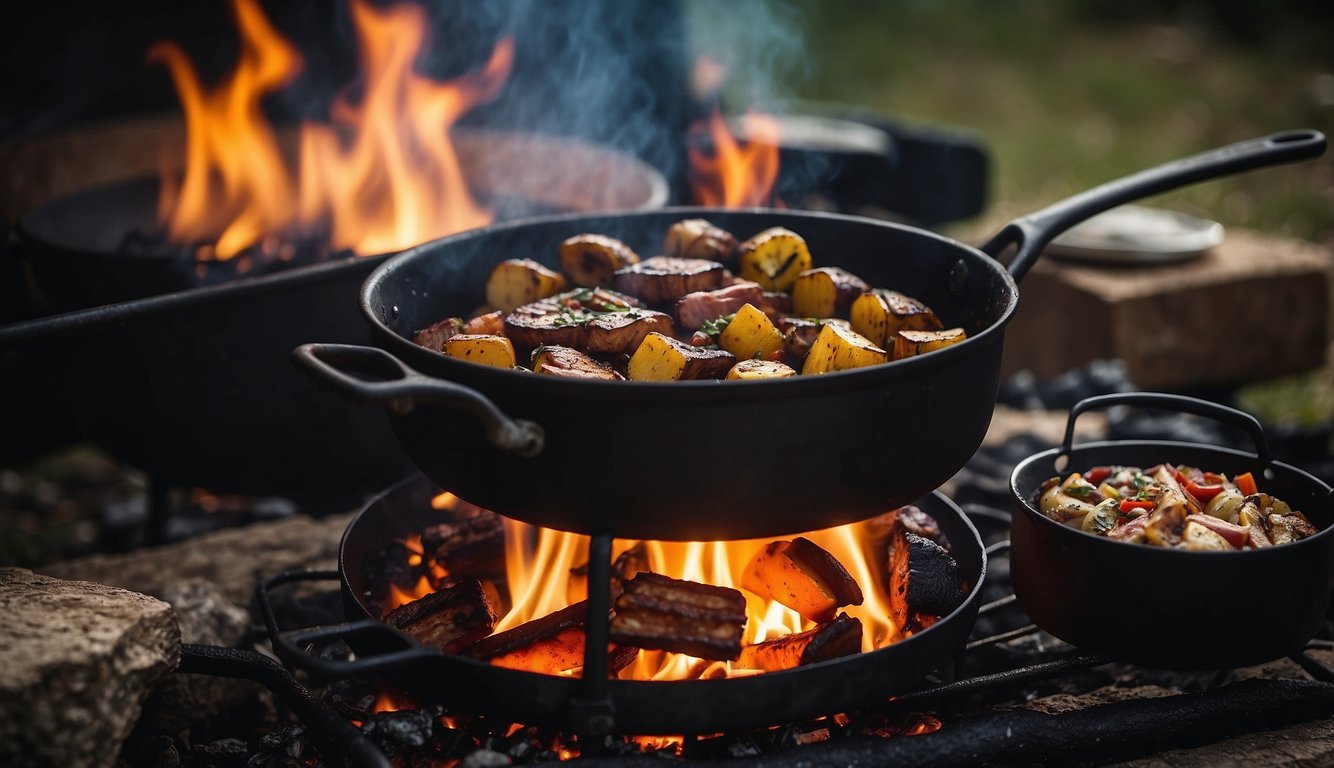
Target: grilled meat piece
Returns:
[[569, 363], [923, 577], [622, 332], [559, 328], [695, 309], [669, 614], [473, 546], [840, 637], [435, 336], [450, 618], [661, 279]]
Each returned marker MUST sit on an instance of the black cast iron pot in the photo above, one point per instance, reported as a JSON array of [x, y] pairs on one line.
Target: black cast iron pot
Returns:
[[1163, 607], [707, 460]]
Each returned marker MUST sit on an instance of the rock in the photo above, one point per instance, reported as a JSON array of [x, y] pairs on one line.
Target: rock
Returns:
[[201, 704], [234, 559], [77, 661]]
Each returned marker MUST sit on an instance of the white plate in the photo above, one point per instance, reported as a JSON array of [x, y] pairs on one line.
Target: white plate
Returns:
[[1134, 234]]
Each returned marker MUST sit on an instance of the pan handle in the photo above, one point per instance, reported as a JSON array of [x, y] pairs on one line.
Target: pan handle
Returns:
[[400, 387], [1032, 233], [1176, 403]]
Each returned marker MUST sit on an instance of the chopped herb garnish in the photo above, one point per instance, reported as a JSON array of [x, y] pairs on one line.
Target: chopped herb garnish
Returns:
[[717, 325]]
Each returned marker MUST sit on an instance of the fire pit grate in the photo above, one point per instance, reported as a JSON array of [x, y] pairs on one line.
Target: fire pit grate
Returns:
[[978, 708]]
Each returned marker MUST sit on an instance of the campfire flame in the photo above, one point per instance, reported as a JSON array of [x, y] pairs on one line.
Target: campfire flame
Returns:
[[734, 174], [540, 561], [382, 176]]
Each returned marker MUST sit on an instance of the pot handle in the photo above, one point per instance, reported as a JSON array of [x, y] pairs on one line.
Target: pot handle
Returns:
[[1032, 233], [401, 388], [1177, 403]]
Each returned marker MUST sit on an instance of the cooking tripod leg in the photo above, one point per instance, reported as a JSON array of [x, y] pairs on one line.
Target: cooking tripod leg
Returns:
[[593, 713]]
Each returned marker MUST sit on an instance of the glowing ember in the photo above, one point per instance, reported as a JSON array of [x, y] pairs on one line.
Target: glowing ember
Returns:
[[735, 174], [545, 574], [383, 176], [927, 724]]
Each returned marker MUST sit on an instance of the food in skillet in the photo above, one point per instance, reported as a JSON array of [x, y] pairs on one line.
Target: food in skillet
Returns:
[[1173, 506], [710, 308]]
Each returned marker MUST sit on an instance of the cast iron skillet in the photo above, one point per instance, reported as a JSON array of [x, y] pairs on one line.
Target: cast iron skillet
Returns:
[[717, 460], [1164, 607], [688, 706]]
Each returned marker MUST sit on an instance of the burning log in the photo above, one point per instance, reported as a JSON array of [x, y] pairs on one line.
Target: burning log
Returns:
[[802, 576], [551, 644], [454, 617], [687, 617], [840, 637], [923, 577], [474, 546]]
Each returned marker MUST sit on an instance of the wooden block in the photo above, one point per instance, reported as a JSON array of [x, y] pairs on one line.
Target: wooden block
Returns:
[[1254, 308]]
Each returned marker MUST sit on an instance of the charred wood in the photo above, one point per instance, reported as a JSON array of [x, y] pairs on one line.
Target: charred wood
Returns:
[[687, 617], [451, 618]]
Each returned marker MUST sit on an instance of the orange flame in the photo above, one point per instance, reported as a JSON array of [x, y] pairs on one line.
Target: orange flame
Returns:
[[383, 176], [735, 175], [540, 561]]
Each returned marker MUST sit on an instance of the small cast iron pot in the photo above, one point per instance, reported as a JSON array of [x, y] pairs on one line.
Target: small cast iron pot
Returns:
[[1162, 607]]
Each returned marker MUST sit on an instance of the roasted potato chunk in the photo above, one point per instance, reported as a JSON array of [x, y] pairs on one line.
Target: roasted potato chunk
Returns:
[[750, 334], [567, 363], [699, 239], [826, 291], [662, 358], [496, 351], [912, 343], [515, 282], [760, 369], [879, 315], [838, 349], [774, 258], [661, 279], [591, 260], [490, 323]]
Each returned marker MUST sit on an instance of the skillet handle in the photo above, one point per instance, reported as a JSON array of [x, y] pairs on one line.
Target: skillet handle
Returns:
[[400, 388], [1176, 403], [1032, 233]]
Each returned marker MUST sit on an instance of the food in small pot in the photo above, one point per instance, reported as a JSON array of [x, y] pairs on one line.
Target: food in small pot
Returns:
[[685, 315], [1173, 506]]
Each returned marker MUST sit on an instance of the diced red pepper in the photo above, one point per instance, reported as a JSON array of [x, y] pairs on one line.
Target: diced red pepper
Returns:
[[1203, 492], [1129, 504], [1246, 483], [1098, 474]]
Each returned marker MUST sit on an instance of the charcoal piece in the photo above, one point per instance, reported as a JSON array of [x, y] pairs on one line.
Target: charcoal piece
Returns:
[[451, 618], [669, 614], [923, 577], [840, 637], [474, 546]]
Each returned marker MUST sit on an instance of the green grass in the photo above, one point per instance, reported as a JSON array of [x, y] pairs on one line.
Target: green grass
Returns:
[[1064, 95]]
